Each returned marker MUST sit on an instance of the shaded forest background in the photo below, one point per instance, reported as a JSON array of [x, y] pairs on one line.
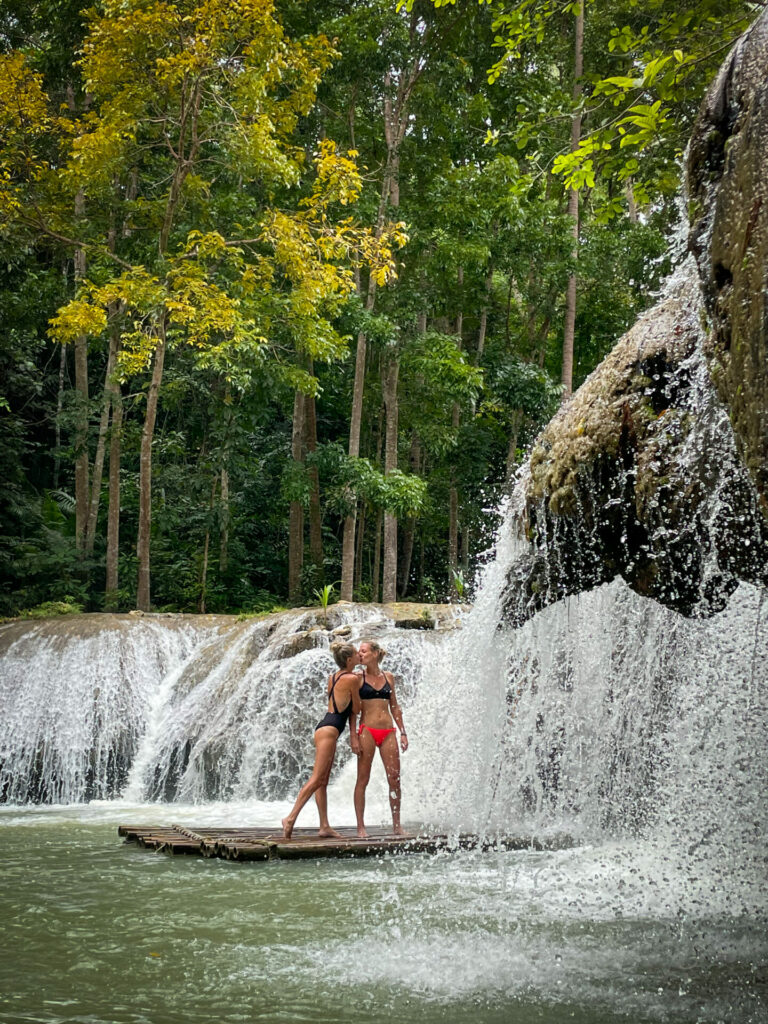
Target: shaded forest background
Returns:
[[284, 288]]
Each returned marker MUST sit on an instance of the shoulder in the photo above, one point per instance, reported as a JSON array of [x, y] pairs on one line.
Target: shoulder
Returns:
[[350, 678]]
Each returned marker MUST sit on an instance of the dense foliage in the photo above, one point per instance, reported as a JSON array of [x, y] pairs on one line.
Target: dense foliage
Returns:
[[283, 286]]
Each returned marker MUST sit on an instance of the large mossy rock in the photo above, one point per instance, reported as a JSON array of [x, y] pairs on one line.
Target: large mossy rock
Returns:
[[657, 468], [727, 172]]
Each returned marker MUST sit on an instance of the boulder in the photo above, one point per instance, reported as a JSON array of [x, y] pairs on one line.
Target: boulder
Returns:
[[727, 174], [657, 468]]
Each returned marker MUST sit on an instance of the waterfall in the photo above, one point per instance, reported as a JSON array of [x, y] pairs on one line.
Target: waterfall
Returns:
[[176, 708], [74, 699], [610, 716], [605, 715]]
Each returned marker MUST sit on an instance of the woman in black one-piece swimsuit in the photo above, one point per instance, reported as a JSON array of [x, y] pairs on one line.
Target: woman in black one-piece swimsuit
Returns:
[[343, 704]]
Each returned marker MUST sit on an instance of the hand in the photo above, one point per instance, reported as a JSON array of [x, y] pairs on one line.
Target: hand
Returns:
[[356, 749], [403, 742]]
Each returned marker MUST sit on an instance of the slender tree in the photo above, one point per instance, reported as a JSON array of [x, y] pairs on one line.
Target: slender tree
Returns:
[[573, 204]]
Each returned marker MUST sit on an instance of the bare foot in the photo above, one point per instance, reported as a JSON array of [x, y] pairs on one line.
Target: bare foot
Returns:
[[287, 828], [328, 833], [361, 833]]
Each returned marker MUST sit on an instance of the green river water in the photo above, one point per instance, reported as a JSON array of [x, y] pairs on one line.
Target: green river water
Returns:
[[97, 931]]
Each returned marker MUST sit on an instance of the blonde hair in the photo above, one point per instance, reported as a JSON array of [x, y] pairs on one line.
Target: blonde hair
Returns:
[[375, 646], [342, 651]]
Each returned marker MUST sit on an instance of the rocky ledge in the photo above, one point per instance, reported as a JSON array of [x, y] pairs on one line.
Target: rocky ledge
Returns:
[[302, 628]]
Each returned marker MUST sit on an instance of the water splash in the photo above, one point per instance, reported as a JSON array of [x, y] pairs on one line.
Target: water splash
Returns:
[[75, 702], [175, 709]]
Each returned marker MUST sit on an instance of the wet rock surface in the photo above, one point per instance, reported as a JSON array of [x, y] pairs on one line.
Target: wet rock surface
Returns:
[[313, 628], [656, 470], [727, 173]]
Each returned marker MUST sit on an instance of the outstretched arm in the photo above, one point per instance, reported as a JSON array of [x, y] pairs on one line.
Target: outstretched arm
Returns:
[[397, 714]]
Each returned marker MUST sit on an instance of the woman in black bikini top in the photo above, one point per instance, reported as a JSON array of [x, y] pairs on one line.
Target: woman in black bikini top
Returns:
[[380, 714], [343, 704], [367, 692]]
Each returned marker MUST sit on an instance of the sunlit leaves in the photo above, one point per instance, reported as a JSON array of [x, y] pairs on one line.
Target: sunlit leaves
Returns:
[[184, 94], [26, 125], [639, 101]]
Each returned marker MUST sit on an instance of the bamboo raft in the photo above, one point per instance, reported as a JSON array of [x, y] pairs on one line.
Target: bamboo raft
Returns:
[[252, 844]]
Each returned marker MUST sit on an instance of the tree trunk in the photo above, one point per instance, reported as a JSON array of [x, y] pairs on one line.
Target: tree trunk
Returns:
[[106, 400], [408, 534], [224, 516], [376, 578], [453, 536], [631, 204], [224, 522], [360, 543], [348, 556], [483, 329], [421, 566], [81, 429], [410, 529], [573, 212], [145, 472], [59, 409], [101, 445], [453, 497], [115, 450], [389, 589], [512, 451], [206, 548], [395, 124], [147, 431], [113, 510], [394, 174], [183, 168], [348, 537], [81, 385], [315, 515], [356, 419], [296, 525]]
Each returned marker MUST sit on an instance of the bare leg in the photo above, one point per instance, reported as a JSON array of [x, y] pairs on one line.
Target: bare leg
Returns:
[[364, 762], [325, 751], [390, 755], [321, 799]]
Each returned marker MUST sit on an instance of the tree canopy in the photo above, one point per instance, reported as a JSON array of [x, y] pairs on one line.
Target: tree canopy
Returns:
[[284, 286]]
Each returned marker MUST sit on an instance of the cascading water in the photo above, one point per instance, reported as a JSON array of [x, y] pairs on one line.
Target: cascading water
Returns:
[[74, 703], [173, 709], [607, 714], [640, 733]]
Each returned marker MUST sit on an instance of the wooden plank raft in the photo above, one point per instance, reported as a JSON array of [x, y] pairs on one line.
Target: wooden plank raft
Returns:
[[245, 844]]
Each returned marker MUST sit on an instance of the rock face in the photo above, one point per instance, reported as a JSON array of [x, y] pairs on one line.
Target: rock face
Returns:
[[728, 186], [657, 468]]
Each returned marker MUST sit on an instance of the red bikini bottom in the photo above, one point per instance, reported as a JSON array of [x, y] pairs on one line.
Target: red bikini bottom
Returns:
[[379, 735]]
